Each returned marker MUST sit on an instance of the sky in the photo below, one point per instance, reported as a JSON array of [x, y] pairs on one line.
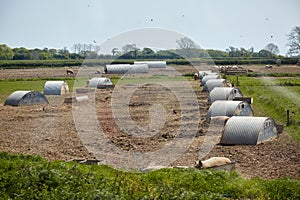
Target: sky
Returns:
[[212, 24]]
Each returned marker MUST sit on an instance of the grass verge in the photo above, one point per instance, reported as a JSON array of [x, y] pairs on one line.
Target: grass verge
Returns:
[[31, 177]]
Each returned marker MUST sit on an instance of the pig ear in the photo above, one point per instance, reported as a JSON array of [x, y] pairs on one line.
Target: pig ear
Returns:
[[198, 164]]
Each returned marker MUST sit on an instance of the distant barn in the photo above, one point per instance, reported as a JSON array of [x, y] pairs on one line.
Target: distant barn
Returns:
[[224, 93], [211, 84], [56, 88], [126, 68], [229, 108], [152, 64], [248, 130], [22, 98]]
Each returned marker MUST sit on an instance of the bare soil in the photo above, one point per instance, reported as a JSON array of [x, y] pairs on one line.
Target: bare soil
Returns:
[[49, 130]]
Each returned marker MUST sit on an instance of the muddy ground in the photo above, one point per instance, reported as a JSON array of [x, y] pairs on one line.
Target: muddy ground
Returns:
[[50, 131]]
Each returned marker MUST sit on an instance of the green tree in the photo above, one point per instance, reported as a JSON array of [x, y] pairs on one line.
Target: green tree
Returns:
[[147, 51], [21, 54], [294, 41], [6, 53], [265, 54], [187, 47], [115, 51], [129, 48], [272, 48]]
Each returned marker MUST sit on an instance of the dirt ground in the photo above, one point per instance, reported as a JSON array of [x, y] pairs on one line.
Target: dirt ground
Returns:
[[50, 130]]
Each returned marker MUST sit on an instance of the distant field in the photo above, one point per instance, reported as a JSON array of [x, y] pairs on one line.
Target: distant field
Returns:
[[273, 96]]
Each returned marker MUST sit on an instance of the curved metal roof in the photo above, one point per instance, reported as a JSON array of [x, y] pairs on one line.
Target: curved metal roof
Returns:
[[248, 130], [126, 68], [24, 97], [212, 83], [55, 87], [153, 64], [204, 73], [95, 82], [209, 77], [229, 108], [224, 93]]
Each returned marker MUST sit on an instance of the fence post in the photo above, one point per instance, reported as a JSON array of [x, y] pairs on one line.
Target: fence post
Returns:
[[288, 118]]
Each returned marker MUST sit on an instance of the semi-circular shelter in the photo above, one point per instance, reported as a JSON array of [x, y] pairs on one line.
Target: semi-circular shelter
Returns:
[[211, 84], [56, 88], [229, 108], [126, 68], [224, 93], [248, 130], [101, 82], [22, 98], [152, 64], [205, 73], [209, 77]]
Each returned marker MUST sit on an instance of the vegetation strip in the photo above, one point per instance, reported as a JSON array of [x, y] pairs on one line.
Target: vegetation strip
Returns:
[[31, 177]]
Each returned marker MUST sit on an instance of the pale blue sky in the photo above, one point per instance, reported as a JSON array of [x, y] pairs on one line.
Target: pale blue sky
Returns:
[[214, 24]]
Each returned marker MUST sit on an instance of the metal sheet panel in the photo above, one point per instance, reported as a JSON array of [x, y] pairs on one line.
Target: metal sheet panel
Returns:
[[235, 92], [204, 73], [229, 108], [224, 93], [153, 64], [19, 98], [268, 132], [246, 131], [209, 77], [96, 82], [211, 84], [14, 98], [125, 68], [56, 88]]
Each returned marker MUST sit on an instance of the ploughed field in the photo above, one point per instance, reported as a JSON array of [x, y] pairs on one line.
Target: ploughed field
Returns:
[[51, 132]]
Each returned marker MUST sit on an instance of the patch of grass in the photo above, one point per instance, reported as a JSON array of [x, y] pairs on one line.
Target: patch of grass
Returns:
[[272, 74], [273, 97], [8, 86], [31, 177]]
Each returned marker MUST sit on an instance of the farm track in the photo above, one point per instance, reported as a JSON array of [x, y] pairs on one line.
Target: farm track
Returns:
[[51, 132]]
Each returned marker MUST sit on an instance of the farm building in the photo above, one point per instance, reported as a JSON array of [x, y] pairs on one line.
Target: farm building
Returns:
[[205, 73], [22, 98], [248, 130], [56, 88], [152, 64], [126, 68], [209, 77], [211, 84], [229, 108], [101, 82], [224, 93]]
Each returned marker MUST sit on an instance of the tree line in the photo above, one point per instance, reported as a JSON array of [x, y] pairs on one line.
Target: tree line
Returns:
[[186, 49]]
